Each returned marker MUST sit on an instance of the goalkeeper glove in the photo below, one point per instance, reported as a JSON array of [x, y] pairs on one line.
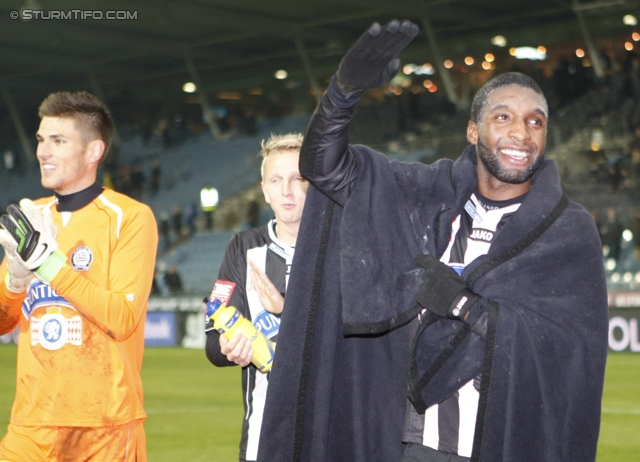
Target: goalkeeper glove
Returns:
[[18, 277], [35, 235], [443, 292], [371, 62]]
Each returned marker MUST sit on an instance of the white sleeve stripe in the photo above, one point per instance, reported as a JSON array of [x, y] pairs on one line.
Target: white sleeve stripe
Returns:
[[116, 209]]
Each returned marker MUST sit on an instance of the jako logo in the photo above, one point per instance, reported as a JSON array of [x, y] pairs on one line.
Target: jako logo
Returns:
[[456, 310], [481, 235]]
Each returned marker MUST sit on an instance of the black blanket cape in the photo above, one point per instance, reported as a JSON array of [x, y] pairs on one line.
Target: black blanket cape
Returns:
[[344, 363]]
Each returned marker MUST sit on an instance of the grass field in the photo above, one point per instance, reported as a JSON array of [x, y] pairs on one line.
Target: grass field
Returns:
[[195, 409]]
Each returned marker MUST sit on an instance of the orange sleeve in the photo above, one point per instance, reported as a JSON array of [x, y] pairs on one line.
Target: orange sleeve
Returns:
[[10, 303], [118, 308]]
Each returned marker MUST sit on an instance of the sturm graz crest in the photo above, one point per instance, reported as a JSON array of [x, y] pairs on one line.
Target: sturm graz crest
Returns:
[[82, 258]]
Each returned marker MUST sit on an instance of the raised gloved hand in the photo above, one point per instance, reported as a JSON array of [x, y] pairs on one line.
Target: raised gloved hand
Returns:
[[443, 292], [18, 277], [35, 235], [371, 62]]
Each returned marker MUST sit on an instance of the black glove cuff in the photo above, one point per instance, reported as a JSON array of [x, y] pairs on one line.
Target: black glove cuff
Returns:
[[461, 304], [347, 90]]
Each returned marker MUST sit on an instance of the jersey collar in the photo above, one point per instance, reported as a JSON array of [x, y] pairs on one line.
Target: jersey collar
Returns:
[[489, 204], [283, 249], [77, 200]]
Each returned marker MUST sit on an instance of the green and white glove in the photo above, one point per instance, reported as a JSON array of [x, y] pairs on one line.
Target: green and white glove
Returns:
[[35, 234], [18, 277]]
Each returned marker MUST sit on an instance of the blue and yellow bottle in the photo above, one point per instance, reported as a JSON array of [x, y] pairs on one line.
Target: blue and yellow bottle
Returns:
[[228, 320]]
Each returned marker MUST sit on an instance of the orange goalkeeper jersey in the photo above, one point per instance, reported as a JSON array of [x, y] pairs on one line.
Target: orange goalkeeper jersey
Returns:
[[82, 338]]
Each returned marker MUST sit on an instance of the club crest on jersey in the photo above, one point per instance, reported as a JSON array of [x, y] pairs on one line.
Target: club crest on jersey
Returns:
[[82, 258], [53, 330]]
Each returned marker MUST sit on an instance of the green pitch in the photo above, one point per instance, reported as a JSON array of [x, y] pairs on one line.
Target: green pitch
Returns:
[[195, 409]]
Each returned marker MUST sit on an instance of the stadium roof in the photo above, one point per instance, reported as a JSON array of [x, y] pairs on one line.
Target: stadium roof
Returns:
[[236, 45]]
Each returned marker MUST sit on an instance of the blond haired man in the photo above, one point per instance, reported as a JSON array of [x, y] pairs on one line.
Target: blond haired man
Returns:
[[255, 272]]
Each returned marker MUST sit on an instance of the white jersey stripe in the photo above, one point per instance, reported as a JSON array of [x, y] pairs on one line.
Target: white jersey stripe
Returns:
[[431, 437], [484, 225], [468, 403]]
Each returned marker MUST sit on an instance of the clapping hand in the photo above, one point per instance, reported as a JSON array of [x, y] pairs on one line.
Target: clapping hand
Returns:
[[271, 299]]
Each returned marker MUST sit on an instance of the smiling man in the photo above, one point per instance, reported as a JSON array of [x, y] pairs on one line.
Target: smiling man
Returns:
[[75, 280], [476, 285], [255, 273]]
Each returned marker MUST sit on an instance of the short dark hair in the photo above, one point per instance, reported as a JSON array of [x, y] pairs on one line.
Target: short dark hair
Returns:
[[91, 117], [501, 81]]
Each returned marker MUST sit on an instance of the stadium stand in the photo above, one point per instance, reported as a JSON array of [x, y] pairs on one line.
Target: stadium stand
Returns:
[[232, 166], [198, 260]]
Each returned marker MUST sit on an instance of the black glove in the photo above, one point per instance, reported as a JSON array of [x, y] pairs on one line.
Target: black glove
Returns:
[[372, 62], [443, 292]]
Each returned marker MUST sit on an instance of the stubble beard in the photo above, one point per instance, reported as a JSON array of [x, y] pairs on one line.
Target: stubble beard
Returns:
[[492, 163]]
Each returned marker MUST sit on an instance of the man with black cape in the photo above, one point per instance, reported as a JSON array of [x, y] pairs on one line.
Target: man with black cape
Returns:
[[447, 312]]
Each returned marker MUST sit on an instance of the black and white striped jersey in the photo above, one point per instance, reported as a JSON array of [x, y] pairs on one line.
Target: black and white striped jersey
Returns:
[[261, 246], [449, 426]]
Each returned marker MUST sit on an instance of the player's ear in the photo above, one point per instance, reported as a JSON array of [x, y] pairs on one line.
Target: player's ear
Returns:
[[95, 151], [266, 196], [472, 133]]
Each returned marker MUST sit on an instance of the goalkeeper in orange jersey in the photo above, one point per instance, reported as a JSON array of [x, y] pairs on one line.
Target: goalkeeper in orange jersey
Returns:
[[76, 278]]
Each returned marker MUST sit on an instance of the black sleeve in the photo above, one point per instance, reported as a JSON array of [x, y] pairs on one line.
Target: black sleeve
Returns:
[[325, 159], [234, 269], [213, 350]]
